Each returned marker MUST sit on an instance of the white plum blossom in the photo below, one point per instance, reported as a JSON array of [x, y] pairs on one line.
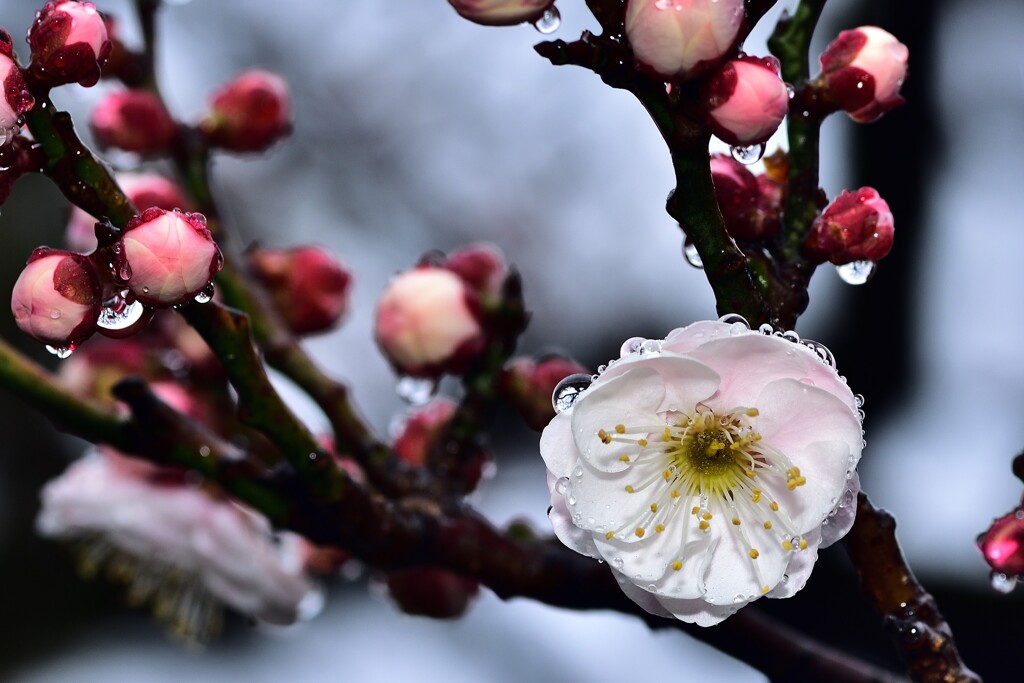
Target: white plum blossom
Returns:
[[178, 546], [708, 468]]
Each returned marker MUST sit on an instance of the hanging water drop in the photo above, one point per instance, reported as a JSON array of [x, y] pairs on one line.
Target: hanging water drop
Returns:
[[415, 390], [691, 255], [124, 273], [568, 390], [1002, 583], [859, 400], [61, 352], [548, 22], [118, 314], [205, 296], [856, 272], [560, 485], [748, 155]]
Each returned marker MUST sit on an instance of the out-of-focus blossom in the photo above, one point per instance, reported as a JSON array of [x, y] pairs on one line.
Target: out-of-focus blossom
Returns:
[[682, 38], [482, 267], [310, 287], [706, 468], [57, 298], [133, 120], [856, 226], [527, 384], [69, 43], [863, 71], [430, 592], [427, 322], [179, 546], [748, 211], [17, 99], [421, 429], [500, 12], [249, 113], [167, 257], [746, 100], [1002, 545]]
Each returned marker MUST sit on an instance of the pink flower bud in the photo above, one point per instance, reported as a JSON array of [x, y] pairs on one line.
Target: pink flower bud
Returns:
[[17, 99], [500, 12], [748, 211], [133, 120], [309, 286], [167, 257], [527, 384], [57, 298], [430, 592], [427, 323], [683, 37], [144, 190], [1003, 544], [856, 226], [249, 113], [422, 428], [863, 70], [746, 100], [482, 267], [69, 43]]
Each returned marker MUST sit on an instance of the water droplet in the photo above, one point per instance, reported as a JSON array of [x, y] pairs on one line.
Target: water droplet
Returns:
[[651, 346], [856, 272], [124, 273], [858, 400], [808, 381], [750, 154], [1002, 583], [733, 318], [766, 329], [560, 485], [785, 578], [568, 390], [663, 4], [691, 255], [548, 22], [118, 314], [61, 352], [204, 451], [578, 472], [791, 91], [631, 345], [145, 290], [55, 314], [796, 542], [736, 329], [617, 562], [572, 501], [739, 598], [415, 390], [205, 296]]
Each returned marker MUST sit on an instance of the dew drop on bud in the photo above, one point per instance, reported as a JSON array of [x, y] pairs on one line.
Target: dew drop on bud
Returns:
[[1002, 583], [415, 390], [568, 390], [205, 296], [124, 273], [750, 154], [691, 255], [548, 22], [856, 272], [119, 314], [61, 352], [560, 485]]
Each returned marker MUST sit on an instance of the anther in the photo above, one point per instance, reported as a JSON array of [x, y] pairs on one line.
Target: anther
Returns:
[[767, 524], [774, 506], [752, 412], [611, 534], [754, 554], [765, 589], [677, 565], [658, 528], [786, 545], [706, 515], [630, 489], [654, 507], [703, 525], [736, 521], [624, 458], [641, 442], [620, 429], [639, 532]]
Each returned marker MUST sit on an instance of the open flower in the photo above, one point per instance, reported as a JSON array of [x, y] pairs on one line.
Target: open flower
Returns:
[[707, 469]]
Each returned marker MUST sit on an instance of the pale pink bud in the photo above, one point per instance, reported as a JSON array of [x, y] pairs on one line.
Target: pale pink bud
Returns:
[[310, 287], [863, 71], [144, 190], [133, 120], [421, 430], [748, 213], [431, 592], [1003, 544], [167, 257], [57, 298], [856, 226], [17, 99], [481, 266], [528, 384], [500, 12], [746, 100], [683, 37], [69, 43], [249, 113], [427, 323]]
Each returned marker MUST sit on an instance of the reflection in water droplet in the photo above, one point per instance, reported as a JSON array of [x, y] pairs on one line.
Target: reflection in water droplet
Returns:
[[415, 390], [61, 352], [748, 155], [205, 296], [733, 318], [548, 22], [691, 255], [766, 329], [118, 314], [856, 272], [1003, 583], [55, 314], [560, 485], [568, 390]]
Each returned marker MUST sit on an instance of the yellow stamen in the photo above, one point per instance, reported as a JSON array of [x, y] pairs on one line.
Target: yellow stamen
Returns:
[[620, 429], [630, 489], [677, 565], [767, 524], [703, 525], [754, 554], [786, 545], [659, 528], [654, 507], [774, 506], [639, 532], [609, 536], [736, 521], [641, 442]]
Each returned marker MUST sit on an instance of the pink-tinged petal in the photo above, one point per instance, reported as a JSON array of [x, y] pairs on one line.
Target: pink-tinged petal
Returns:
[[798, 570], [686, 381], [682, 38], [845, 514], [682, 340], [749, 362], [557, 446], [500, 12]]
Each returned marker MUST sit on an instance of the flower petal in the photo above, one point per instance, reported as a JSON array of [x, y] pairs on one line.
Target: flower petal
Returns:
[[568, 533], [598, 501], [799, 569], [732, 577], [557, 446], [686, 382], [845, 513]]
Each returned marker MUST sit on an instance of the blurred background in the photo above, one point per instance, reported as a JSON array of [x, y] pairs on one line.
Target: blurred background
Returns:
[[417, 130]]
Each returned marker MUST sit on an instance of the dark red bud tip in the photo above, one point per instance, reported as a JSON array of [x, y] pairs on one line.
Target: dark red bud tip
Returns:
[[434, 593]]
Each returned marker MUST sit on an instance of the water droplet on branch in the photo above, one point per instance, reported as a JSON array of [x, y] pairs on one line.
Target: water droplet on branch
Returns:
[[691, 255], [856, 272], [415, 390]]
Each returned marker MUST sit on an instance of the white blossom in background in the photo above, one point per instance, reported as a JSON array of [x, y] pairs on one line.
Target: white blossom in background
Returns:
[[176, 545], [708, 468]]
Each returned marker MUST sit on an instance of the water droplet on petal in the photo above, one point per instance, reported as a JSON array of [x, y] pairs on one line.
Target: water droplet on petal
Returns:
[[548, 22], [578, 472], [738, 598], [205, 296], [617, 562], [691, 255], [560, 485], [572, 501], [1002, 583], [733, 318], [568, 390], [750, 154], [415, 390], [856, 272], [766, 329], [650, 346], [858, 399], [124, 273], [631, 345], [55, 314]]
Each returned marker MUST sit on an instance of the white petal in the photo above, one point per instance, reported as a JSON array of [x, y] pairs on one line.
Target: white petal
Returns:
[[568, 533], [598, 501], [647, 560], [699, 612], [730, 576], [557, 446], [840, 524], [687, 381], [800, 565]]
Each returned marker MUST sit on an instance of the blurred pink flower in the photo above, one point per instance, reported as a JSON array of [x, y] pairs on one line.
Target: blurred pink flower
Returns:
[[682, 37], [250, 112], [500, 12]]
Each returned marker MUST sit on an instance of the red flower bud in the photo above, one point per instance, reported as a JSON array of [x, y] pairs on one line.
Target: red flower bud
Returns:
[[500, 12], [748, 210], [69, 43], [527, 384], [1003, 544], [427, 323], [422, 428], [434, 593], [683, 38], [309, 286], [856, 226], [17, 99], [133, 120], [863, 71], [249, 113], [481, 266], [167, 257], [745, 100], [57, 298]]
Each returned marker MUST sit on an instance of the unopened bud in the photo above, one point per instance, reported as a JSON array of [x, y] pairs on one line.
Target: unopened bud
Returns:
[[427, 323], [69, 43], [430, 592], [527, 384], [249, 113], [133, 120], [422, 427], [746, 100], [683, 38], [57, 298], [167, 257], [749, 213], [863, 71], [309, 286], [856, 226], [1003, 544], [500, 12], [482, 267], [17, 99]]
